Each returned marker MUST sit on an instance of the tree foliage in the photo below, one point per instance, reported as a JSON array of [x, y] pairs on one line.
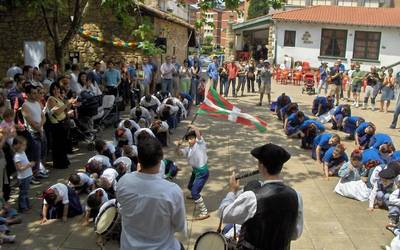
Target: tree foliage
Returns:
[[259, 8]]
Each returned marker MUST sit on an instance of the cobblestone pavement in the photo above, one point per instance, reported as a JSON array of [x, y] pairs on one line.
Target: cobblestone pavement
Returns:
[[331, 221]]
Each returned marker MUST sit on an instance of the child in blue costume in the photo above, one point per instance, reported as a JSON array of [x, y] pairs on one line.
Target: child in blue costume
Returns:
[[322, 143], [334, 159], [364, 132], [350, 125], [322, 105], [371, 160], [339, 114], [310, 129], [293, 123], [282, 101], [287, 110], [379, 139]]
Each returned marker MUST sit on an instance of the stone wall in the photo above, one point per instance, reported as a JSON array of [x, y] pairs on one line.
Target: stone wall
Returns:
[[17, 28]]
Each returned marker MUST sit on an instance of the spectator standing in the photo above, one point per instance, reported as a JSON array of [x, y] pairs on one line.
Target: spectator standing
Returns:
[[148, 72], [167, 71], [372, 82], [185, 77], [57, 113], [111, 78], [73, 84], [232, 74], [250, 74], [175, 77], [34, 120], [387, 90], [323, 72], [125, 86], [265, 87], [336, 82], [212, 72], [357, 77], [241, 78], [223, 76], [195, 72], [95, 75], [154, 69]]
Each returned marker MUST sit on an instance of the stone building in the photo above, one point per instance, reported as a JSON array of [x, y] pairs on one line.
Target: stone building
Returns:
[[25, 36]]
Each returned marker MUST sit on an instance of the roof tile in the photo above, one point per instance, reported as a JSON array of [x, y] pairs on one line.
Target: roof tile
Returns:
[[363, 16]]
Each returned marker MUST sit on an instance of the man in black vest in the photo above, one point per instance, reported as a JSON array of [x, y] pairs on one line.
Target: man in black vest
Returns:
[[271, 213]]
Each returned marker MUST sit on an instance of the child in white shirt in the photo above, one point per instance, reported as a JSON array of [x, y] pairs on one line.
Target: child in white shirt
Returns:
[[24, 172]]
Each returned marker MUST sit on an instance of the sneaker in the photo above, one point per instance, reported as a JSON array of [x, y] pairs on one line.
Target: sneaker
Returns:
[[357, 105], [8, 238], [42, 175], [392, 127], [354, 104], [201, 217], [35, 182]]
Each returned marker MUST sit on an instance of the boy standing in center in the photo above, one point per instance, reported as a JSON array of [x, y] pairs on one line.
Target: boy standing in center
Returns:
[[196, 154]]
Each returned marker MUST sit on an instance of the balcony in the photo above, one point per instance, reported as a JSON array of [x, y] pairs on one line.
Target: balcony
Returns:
[[172, 7]]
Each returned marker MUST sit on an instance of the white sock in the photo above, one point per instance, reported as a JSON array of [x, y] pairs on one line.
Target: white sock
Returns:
[[200, 204]]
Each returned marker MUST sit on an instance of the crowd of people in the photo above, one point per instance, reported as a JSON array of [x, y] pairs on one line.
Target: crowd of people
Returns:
[[43, 114], [371, 171]]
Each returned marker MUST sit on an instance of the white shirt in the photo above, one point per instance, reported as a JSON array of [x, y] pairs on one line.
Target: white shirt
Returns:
[[145, 114], [154, 101], [394, 199], [128, 135], [152, 210], [126, 161], [23, 159], [93, 87], [74, 85], [147, 130], [173, 109], [104, 197], [196, 155], [133, 124], [35, 110], [85, 179], [242, 206], [178, 103], [101, 158], [62, 191], [110, 147], [111, 175]]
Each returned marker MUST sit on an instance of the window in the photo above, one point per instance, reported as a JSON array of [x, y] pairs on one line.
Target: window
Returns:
[[290, 38], [366, 45], [321, 2], [333, 43], [352, 3], [296, 2], [371, 3]]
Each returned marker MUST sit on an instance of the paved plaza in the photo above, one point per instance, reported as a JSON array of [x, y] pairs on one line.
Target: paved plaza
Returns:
[[330, 221]]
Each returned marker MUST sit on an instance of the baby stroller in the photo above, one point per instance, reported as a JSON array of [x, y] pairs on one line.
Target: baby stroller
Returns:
[[108, 113], [82, 127], [309, 83]]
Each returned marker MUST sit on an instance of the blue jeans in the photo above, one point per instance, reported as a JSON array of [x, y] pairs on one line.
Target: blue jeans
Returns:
[[23, 198], [166, 85], [34, 149], [193, 90], [228, 84], [395, 116], [196, 184], [222, 85]]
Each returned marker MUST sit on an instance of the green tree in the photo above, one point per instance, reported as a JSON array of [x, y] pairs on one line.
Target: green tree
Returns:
[[63, 18], [259, 8]]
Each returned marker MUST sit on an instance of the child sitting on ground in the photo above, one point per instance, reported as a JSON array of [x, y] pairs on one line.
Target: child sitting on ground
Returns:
[[310, 130], [350, 125], [106, 149], [350, 184], [334, 159], [339, 114], [364, 132], [24, 173]]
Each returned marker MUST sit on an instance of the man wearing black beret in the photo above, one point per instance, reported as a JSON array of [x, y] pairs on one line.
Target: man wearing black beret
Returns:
[[271, 214]]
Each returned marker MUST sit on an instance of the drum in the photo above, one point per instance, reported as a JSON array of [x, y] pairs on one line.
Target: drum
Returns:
[[211, 241], [108, 222]]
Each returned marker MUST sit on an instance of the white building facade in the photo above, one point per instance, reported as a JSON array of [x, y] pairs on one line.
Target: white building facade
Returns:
[[316, 42]]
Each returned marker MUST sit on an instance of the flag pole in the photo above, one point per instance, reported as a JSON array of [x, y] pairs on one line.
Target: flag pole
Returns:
[[187, 130]]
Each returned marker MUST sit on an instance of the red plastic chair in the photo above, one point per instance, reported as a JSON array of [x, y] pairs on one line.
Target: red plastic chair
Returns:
[[297, 76], [284, 76]]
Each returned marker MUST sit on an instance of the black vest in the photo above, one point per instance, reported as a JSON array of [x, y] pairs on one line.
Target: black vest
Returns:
[[274, 222]]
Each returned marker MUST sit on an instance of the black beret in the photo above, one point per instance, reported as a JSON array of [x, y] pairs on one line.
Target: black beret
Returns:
[[388, 173], [271, 155], [395, 165]]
